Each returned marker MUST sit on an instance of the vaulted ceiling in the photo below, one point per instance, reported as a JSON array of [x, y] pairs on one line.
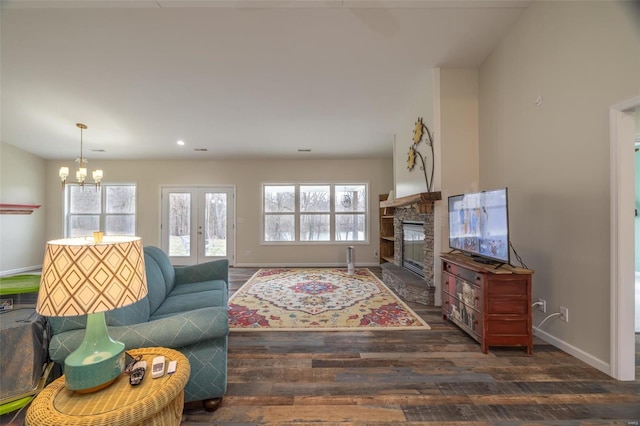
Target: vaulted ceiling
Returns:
[[237, 78]]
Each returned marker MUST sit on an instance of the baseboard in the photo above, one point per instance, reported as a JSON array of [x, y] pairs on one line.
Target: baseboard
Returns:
[[597, 363], [31, 269], [302, 265]]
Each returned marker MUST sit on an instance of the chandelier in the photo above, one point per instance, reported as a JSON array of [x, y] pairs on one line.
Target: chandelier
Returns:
[[81, 173]]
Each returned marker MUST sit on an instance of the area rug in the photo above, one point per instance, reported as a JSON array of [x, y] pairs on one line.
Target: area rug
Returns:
[[318, 299]]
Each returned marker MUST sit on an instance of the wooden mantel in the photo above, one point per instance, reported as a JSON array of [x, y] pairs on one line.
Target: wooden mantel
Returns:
[[418, 199]]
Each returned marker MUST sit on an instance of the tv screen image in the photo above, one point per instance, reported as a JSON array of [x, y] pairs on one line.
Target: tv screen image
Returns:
[[479, 224]]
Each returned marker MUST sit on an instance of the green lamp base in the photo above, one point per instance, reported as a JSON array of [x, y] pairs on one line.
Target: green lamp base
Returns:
[[97, 362]]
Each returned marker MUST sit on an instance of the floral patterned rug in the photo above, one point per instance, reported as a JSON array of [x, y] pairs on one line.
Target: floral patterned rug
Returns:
[[318, 299]]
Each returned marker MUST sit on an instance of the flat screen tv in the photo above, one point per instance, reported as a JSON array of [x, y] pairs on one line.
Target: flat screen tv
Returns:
[[479, 225]]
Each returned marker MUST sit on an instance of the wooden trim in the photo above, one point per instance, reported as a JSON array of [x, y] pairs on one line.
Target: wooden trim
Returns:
[[423, 197], [18, 208]]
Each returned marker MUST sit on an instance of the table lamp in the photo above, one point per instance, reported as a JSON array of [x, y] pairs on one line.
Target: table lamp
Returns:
[[80, 276]]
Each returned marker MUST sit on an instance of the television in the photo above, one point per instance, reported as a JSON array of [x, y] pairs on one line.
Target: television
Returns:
[[479, 225]]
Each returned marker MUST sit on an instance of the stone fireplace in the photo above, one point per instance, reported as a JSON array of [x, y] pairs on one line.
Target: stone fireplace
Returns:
[[407, 282]]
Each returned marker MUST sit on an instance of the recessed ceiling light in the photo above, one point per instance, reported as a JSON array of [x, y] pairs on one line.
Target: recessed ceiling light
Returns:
[[181, 142]]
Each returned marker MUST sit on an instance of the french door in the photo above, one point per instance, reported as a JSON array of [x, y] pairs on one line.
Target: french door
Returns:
[[197, 224]]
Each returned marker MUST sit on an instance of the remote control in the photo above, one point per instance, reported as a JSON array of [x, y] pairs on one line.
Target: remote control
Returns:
[[137, 373], [172, 367], [157, 367]]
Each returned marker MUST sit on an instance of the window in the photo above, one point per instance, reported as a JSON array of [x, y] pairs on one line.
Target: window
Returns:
[[111, 209], [315, 213]]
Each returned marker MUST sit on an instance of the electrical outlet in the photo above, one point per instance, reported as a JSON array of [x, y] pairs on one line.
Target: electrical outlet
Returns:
[[375, 254], [542, 305], [564, 314]]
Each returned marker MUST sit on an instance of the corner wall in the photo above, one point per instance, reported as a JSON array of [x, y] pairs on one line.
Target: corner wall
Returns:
[[22, 237], [581, 57]]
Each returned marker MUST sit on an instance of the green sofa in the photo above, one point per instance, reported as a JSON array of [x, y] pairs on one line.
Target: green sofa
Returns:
[[185, 309]]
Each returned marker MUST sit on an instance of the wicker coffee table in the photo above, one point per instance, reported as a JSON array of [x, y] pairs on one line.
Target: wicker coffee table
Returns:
[[152, 402]]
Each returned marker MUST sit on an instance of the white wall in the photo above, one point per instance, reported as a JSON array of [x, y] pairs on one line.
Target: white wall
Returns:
[[22, 237], [580, 57], [247, 177]]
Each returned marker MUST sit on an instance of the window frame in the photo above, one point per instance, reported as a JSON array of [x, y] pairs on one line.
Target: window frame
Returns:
[[67, 216], [333, 214]]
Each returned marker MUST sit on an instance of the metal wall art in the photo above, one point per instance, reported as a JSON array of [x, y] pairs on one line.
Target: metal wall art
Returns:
[[418, 134]]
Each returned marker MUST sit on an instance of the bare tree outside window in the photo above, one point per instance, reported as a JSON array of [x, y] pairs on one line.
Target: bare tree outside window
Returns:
[[351, 206], [216, 224], [179, 224], [317, 210], [110, 208], [279, 207], [316, 202]]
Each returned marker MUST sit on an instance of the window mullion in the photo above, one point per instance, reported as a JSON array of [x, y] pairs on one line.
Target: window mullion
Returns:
[[332, 212], [296, 221], [103, 212]]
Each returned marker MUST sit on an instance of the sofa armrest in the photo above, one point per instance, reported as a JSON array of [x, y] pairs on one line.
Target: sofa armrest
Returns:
[[171, 332], [213, 270]]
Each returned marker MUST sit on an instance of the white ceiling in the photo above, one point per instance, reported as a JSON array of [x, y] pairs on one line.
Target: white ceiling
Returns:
[[240, 78]]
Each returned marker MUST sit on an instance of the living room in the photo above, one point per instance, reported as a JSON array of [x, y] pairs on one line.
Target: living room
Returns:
[[532, 115]]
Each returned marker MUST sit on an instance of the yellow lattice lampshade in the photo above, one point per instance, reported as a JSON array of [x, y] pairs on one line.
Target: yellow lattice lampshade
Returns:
[[80, 277]]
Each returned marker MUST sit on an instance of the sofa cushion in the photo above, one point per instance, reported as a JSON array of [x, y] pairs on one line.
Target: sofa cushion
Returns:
[[198, 287], [62, 324], [132, 314], [163, 263], [157, 289], [186, 302]]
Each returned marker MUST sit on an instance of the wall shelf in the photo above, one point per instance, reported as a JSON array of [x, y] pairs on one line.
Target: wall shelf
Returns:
[[18, 208]]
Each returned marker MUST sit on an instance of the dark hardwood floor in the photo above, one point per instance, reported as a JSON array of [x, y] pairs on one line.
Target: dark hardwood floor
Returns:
[[434, 377]]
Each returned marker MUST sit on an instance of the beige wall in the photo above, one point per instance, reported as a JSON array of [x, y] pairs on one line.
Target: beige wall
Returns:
[[22, 237], [580, 57], [459, 137], [419, 104], [247, 177]]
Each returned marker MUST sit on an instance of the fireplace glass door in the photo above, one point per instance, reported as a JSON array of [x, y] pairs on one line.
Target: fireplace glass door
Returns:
[[413, 247]]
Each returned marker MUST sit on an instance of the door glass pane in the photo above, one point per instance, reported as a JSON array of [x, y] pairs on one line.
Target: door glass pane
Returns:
[[351, 198], [350, 227], [314, 227], [279, 227], [215, 216], [179, 224]]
